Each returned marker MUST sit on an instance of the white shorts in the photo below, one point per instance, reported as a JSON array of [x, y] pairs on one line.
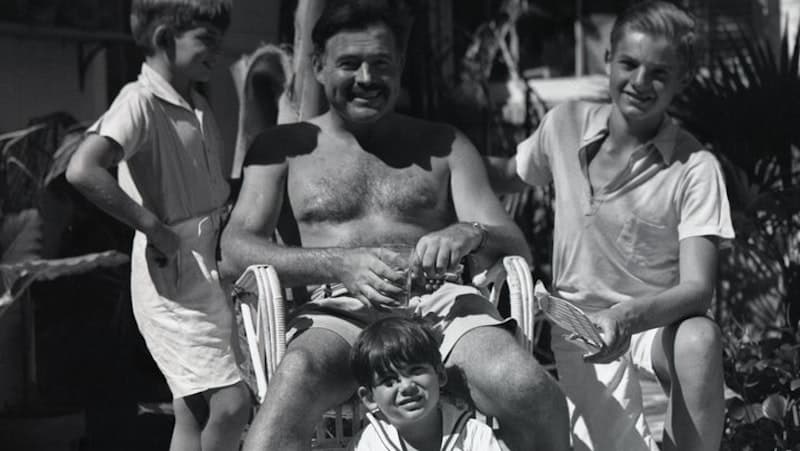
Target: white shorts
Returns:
[[605, 400]]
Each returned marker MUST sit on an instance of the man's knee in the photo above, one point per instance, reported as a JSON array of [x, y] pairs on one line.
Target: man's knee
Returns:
[[299, 369], [308, 381], [520, 383]]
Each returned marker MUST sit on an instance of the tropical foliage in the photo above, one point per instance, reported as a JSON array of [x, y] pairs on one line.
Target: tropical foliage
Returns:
[[29, 161], [746, 108]]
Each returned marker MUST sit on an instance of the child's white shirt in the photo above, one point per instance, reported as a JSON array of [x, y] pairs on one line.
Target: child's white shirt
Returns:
[[460, 432]]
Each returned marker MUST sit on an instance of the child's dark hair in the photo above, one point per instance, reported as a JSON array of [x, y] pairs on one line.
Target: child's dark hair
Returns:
[[393, 342], [180, 15], [354, 15], [661, 18]]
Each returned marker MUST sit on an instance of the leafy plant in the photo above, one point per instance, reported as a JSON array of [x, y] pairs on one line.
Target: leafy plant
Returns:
[[746, 109], [766, 374], [26, 158]]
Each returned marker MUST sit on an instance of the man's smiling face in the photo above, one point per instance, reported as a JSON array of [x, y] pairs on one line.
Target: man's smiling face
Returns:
[[360, 71]]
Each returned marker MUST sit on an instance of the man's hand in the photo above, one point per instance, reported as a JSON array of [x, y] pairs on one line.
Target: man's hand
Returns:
[[376, 276], [163, 242], [615, 332], [441, 251]]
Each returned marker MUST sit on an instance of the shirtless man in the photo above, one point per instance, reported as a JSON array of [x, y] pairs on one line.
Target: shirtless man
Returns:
[[358, 177]]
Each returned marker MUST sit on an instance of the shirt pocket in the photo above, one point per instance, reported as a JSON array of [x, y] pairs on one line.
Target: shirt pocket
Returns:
[[650, 249]]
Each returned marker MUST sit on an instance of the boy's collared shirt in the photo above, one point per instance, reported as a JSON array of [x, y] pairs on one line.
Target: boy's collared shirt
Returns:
[[171, 149], [621, 241], [461, 432]]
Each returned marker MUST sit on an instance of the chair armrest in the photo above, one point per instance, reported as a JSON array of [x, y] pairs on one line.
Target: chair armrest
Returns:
[[521, 299], [261, 319], [514, 271]]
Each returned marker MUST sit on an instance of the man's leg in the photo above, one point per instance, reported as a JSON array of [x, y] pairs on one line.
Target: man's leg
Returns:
[[507, 383], [313, 376], [694, 383]]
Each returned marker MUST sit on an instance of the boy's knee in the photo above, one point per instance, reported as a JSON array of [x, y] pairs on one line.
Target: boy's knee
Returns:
[[233, 410], [697, 335]]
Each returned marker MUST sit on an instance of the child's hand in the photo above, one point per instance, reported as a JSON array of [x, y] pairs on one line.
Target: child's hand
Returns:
[[164, 243], [616, 334]]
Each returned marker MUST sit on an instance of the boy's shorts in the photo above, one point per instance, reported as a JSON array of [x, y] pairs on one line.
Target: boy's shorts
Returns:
[[605, 400], [452, 311]]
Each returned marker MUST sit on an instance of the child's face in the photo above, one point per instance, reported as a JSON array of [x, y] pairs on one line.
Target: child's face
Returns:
[[405, 396], [645, 74], [196, 51]]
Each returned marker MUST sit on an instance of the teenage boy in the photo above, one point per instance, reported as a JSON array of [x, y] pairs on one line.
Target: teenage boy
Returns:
[[640, 211]]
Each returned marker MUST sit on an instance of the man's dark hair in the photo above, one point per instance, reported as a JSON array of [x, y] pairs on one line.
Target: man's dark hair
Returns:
[[180, 15], [356, 15], [393, 343]]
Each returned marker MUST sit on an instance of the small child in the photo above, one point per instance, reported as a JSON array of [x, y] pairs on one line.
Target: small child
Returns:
[[399, 370], [172, 190]]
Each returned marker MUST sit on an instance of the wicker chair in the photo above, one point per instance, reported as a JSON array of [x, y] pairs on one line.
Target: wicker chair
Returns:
[[261, 313]]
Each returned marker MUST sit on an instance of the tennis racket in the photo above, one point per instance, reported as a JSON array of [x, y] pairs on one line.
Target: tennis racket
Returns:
[[570, 318]]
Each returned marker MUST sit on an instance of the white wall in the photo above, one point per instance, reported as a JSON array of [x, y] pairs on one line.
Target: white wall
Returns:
[[790, 15], [40, 76]]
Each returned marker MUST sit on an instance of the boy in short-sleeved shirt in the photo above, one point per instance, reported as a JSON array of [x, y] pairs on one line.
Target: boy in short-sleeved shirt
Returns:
[[616, 245], [172, 191], [640, 208]]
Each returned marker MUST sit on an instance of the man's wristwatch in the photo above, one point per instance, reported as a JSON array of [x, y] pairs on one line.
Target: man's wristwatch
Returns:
[[484, 235]]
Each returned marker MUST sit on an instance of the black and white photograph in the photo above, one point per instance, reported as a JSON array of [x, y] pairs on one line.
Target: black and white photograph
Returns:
[[400, 225]]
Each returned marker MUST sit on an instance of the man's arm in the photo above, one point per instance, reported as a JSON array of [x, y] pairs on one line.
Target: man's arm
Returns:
[[503, 175], [474, 201], [88, 172], [690, 297], [247, 240]]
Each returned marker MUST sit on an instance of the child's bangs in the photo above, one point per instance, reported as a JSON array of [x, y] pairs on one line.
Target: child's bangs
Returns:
[[397, 353]]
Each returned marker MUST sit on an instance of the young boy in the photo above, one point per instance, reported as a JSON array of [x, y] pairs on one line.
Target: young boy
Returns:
[[399, 370], [640, 209], [172, 191]]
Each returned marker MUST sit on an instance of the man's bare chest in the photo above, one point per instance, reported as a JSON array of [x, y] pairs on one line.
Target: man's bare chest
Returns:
[[346, 186]]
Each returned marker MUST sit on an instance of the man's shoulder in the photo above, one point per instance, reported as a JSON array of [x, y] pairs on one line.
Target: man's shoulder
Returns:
[[425, 126], [439, 137], [278, 143]]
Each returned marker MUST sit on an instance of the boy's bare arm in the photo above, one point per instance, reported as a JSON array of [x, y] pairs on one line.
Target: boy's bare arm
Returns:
[[88, 172], [690, 297]]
